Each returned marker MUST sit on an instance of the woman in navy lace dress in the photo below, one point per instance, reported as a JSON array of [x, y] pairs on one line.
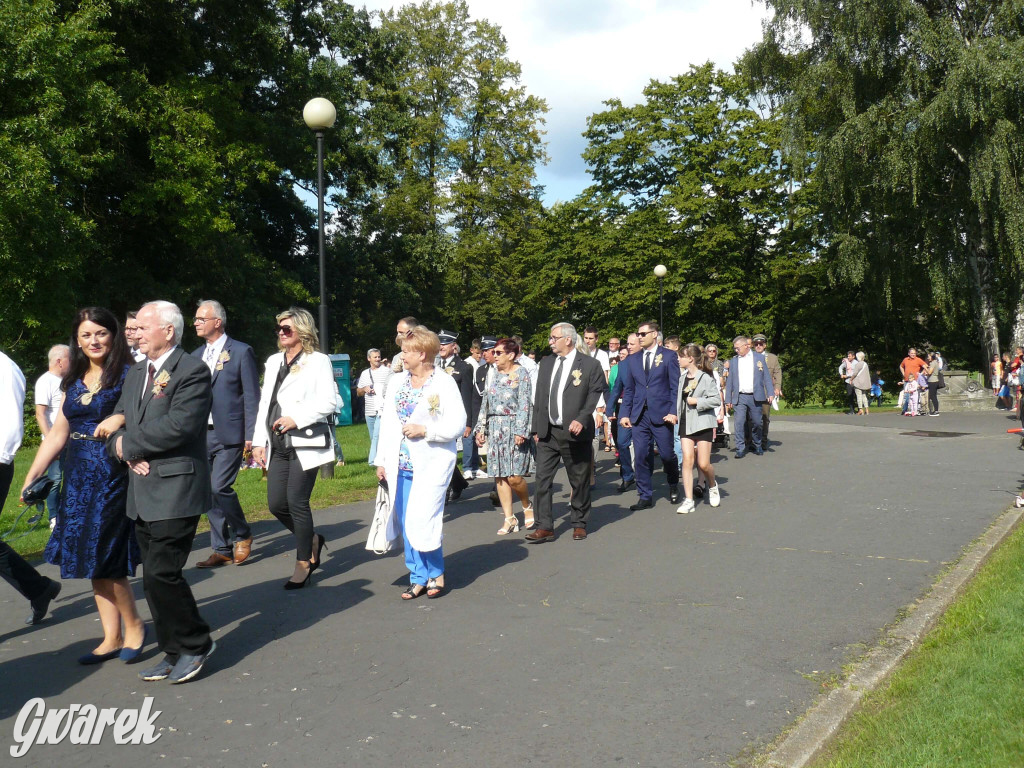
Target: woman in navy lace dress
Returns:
[[93, 538]]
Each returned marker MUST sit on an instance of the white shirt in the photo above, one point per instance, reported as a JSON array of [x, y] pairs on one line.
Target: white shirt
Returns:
[[212, 352], [378, 379], [602, 357], [531, 367], [158, 365], [472, 361], [745, 373], [48, 393], [138, 355], [566, 374], [12, 403]]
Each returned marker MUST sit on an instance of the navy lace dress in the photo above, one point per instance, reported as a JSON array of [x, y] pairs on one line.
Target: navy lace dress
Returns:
[[93, 538]]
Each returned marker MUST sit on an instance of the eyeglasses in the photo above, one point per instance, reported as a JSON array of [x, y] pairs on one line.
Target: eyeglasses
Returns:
[[555, 338], [499, 352], [202, 319], [641, 334], [284, 330]]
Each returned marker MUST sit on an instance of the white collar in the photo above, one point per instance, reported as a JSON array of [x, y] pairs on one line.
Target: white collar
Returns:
[[158, 364]]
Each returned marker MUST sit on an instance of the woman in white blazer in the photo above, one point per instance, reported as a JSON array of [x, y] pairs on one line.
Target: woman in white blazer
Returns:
[[298, 394], [421, 417]]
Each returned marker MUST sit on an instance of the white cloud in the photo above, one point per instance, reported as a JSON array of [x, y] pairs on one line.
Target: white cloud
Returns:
[[576, 54]]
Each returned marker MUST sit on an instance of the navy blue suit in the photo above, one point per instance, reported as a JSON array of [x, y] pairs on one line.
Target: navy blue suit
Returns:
[[236, 400], [647, 398], [747, 405]]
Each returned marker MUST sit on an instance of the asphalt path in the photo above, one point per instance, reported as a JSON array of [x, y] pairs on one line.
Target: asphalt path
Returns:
[[660, 640]]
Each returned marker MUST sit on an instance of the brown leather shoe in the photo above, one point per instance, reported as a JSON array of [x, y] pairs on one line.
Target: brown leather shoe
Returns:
[[579, 534], [214, 560], [242, 551], [539, 535]]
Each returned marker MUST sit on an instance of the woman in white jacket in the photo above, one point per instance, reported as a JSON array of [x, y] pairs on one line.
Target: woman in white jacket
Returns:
[[421, 417], [298, 397]]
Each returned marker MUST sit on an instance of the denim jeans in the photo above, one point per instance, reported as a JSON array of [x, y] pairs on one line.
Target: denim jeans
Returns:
[[373, 426]]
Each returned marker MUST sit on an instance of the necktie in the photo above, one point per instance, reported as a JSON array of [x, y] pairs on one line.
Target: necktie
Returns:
[[149, 379], [553, 395], [647, 362]]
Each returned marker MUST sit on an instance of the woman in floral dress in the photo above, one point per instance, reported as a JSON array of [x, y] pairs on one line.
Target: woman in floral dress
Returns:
[[504, 423]]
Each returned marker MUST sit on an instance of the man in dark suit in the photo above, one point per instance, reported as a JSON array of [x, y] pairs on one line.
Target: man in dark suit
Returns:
[[462, 374], [747, 389], [568, 387], [623, 435], [165, 402], [649, 407], [236, 399], [481, 378]]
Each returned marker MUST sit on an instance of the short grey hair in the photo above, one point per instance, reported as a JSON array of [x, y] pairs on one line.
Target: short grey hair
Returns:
[[57, 351], [217, 307], [370, 351], [567, 329], [741, 337], [169, 314], [861, 356]]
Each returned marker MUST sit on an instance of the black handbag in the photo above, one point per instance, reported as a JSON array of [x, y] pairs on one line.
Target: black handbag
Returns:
[[314, 436], [38, 491]]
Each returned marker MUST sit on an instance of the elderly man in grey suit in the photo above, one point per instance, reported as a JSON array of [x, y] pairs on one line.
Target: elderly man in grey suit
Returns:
[[165, 402], [236, 400]]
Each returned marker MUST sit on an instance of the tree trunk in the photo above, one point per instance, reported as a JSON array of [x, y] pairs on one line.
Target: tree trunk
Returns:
[[979, 261], [1017, 339]]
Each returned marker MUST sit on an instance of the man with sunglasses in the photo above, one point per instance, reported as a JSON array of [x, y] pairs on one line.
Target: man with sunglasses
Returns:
[[649, 409], [229, 430], [775, 371]]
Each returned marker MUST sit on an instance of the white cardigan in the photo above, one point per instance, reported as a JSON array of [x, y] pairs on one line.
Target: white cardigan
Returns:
[[433, 456], [307, 395]]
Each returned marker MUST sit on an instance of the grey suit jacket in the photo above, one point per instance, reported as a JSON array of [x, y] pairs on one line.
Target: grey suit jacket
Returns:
[[167, 429]]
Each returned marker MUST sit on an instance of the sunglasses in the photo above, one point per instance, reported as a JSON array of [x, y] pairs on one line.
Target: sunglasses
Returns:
[[284, 330], [641, 334]]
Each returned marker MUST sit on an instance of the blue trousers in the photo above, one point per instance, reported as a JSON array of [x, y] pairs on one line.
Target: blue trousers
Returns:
[[645, 435], [373, 427], [624, 444], [747, 408], [422, 566]]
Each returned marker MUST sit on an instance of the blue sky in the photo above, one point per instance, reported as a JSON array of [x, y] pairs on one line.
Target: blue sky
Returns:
[[576, 54]]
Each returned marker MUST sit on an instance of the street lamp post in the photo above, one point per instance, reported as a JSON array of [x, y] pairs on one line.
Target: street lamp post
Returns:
[[320, 115], [660, 271]]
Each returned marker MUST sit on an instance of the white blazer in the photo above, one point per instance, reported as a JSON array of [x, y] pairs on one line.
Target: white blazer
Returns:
[[307, 395], [433, 456]]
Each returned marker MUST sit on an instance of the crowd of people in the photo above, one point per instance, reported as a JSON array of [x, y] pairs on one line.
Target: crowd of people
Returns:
[[140, 439]]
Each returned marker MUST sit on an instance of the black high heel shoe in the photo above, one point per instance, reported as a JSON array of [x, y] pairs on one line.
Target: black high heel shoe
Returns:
[[300, 584], [321, 545]]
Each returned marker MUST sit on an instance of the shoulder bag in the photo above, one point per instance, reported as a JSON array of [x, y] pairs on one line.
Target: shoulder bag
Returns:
[[382, 529]]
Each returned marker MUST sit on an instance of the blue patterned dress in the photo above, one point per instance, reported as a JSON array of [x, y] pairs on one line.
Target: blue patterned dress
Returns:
[[506, 412], [93, 538]]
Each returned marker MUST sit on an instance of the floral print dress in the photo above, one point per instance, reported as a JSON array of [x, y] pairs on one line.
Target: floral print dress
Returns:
[[505, 412]]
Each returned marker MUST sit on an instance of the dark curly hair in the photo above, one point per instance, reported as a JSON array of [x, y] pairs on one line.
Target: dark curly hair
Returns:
[[113, 366]]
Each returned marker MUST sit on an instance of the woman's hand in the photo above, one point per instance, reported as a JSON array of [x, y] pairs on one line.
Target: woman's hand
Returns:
[[30, 478], [691, 401], [109, 425], [480, 439], [259, 455], [520, 439], [414, 430], [381, 475], [284, 424]]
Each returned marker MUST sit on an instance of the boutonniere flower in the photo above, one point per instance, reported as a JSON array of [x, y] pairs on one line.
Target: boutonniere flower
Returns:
[[691, 386], [760, 365], [224, 357], [449, 371], [89, 393], [160, 382], [577, 377], [297, 367], [434, 403], [657, 360]]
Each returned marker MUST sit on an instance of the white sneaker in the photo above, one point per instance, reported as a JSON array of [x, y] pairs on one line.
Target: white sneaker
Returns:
[[53, 523], [480, 475], [685, 507], [714, 496], [467, 475]]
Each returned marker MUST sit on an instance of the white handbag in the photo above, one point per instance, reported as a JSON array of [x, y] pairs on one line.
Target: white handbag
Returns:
[[383, 531]]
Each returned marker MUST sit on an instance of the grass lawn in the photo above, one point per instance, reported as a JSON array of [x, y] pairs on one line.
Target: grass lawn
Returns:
[[356, 481], [957, 699]]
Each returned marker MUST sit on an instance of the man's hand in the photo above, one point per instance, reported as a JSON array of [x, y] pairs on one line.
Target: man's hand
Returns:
[[117, 447], [575, 428], [625, 422], [467, 432], [139, 467], [671, 419], [248, 446]]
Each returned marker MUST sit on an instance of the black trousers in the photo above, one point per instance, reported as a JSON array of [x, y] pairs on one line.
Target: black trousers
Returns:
[[933, 397], [560, 447], [289, 487], [227, 521], [13, 568], [165, 546]]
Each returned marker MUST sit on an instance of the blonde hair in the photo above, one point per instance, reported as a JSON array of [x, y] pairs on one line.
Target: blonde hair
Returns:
[[422, 339], [305, 326]]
